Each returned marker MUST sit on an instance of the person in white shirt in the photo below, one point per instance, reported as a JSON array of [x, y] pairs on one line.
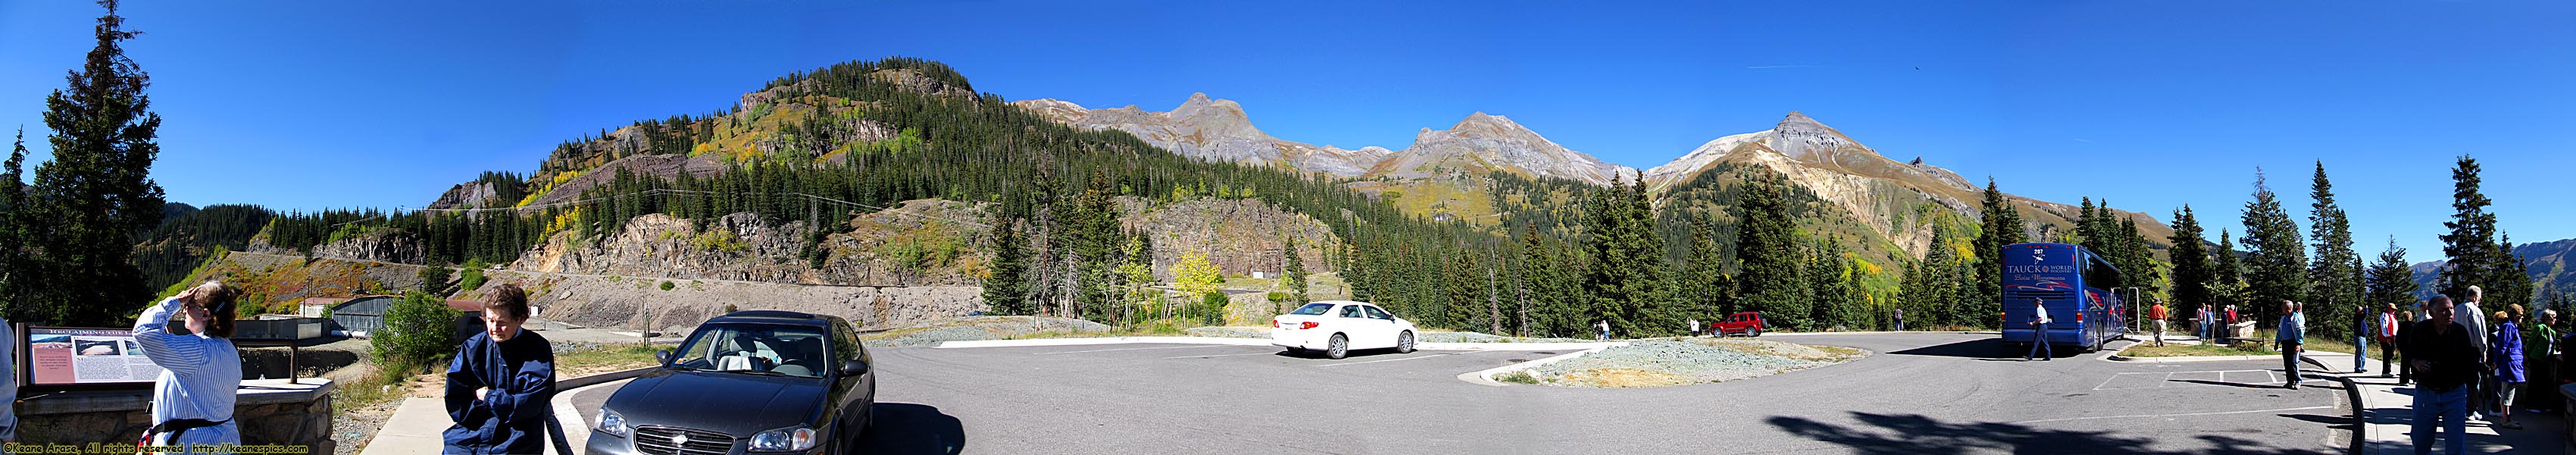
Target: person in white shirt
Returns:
[[1605, 330], [2039, 333], [192, 401], [1694, 326]]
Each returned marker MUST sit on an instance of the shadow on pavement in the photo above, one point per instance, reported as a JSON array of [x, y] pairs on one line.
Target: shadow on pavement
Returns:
[[1988, 349], [1353, 354], [905, 428], [1916, 434]]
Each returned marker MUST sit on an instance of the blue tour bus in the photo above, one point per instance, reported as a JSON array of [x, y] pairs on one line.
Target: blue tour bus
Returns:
[[2075, 286]]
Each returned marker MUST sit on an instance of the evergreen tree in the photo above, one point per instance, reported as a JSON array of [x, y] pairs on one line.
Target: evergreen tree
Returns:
[[1766, 243], [2336, 273], [1006, 289], [17, 273], [2191, 268], [2275, 259], [2391, 281], [1626, 277], [94, 195], [1702, 287], [2227, 274], [1294, 274], [2512, 285], [2471, 244], [2002, 226]]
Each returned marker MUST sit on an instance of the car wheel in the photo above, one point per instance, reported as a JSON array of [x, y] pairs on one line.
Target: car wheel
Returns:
[[1757, 333], [1404, 343], [1340, 347]]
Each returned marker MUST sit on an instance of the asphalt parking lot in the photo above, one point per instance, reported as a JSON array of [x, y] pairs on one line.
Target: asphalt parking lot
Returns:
[[1919, 393]]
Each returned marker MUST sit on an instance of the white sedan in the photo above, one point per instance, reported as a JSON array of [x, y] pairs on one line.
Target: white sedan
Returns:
[[1339, 326]]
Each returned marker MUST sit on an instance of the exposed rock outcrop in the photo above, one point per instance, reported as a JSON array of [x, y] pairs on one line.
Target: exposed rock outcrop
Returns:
[[1240, 236], [381, 245], [468, 194]]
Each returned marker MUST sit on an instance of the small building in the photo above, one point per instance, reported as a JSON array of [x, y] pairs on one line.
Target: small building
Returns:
[[367, 313]]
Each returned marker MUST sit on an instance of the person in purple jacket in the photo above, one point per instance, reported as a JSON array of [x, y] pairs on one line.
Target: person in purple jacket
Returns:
[[2507, 352], [501, 384]]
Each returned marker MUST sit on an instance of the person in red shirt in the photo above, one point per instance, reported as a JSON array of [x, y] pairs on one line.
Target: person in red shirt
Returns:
[[2157, 313]]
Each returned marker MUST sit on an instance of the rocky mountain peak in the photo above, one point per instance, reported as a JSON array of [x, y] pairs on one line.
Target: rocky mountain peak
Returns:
[[1199, 106]]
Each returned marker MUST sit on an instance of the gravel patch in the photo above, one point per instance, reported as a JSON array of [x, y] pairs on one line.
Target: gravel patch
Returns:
[[1228, 332], [978, 328], [1654, 363]]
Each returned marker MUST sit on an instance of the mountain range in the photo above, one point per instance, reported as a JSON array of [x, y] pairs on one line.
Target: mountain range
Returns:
[[1442, 174]]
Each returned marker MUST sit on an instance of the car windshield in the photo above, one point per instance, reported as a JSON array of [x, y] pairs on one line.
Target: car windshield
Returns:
[[755, 349], [1312, 309]]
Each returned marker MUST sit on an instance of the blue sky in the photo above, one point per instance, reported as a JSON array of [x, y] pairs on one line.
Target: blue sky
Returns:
[[309, 104]]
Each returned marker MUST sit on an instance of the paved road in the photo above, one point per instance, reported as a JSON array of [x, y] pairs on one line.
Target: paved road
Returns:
[[1921, 393]]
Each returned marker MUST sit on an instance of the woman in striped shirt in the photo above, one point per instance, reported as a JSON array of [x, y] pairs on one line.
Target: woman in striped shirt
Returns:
[[192, 401]]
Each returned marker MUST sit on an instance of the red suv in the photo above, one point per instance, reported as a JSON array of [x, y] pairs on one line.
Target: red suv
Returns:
[[1748, 323]]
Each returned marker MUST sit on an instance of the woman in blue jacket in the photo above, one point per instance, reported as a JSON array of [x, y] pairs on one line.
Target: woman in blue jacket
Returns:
[[192, 400], [500, 385], [2507, 350]]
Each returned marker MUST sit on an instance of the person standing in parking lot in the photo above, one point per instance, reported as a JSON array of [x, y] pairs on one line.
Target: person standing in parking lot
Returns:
[[2157, 313], [1694, 326], [1605, 330], [502, 382], [2445, 362], [2039, 332], [2292, 333], [1900, 319]]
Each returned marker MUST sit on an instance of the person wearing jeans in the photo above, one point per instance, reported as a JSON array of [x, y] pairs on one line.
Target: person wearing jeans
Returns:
[[2361, 339], [2292, 332], [2445, 362]]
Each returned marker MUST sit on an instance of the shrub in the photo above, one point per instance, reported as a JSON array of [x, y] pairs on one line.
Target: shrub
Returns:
[[418, 330], [434, 280], [473, 278], [1517, 377], [666, 285], [1211, 308], [729, 308], [719, 240]]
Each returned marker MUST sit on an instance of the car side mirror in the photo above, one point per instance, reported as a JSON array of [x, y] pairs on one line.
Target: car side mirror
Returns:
[[663, 356], [854, 368]]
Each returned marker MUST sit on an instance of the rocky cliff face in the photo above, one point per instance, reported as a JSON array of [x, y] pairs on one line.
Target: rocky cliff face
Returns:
[[1240, 236], [1210, 129], [381, 245], [468, 194]]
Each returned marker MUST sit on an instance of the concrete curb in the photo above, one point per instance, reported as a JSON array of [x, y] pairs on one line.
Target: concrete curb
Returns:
[[602, 378], [1265, 342], [1103, 340], [2361, 409], [1486, 376], [1769, 334]]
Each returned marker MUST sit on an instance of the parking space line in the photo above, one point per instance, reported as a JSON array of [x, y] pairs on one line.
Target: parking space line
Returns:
[[1218, 355], [1392, 360], [1137, 349]]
